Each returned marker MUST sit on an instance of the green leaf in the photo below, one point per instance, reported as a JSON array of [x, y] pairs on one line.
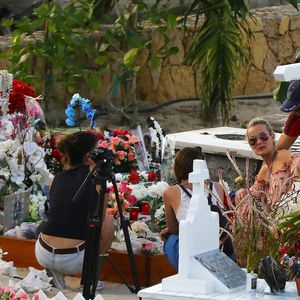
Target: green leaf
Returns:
[[172, 51], [103, 47], [94, 82], [23, 58], [101, 60], [171, 20], [6, 23], [280, 92], [130, 56], [154, 62]]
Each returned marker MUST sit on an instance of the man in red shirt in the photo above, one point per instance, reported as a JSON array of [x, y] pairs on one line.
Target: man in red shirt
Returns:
[[291, 105]]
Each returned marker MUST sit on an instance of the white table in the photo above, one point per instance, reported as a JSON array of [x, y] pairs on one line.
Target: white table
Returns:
[[263, 292]]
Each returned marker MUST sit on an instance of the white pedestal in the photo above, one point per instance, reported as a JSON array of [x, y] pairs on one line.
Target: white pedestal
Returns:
[[263, 292]]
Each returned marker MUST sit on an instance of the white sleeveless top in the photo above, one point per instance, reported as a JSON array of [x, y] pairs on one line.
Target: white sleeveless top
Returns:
[[185, 202], [183, 205]]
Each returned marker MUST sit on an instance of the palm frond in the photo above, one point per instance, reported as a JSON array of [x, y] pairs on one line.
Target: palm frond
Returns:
[[218, 51]]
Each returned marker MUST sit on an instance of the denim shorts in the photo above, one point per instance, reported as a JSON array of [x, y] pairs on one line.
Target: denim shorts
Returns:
[[64, 263]]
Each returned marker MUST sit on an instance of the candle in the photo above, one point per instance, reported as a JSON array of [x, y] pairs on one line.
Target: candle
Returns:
[[145, 208], [134, 213]]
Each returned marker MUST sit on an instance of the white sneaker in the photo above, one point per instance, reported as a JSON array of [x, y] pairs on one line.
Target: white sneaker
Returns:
[[100, 286]]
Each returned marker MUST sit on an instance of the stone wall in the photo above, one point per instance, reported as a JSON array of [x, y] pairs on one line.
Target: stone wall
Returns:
[[276, 38]]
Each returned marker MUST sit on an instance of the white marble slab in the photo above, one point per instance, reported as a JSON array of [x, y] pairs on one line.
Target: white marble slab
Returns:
[[210, 143], [263, 292]]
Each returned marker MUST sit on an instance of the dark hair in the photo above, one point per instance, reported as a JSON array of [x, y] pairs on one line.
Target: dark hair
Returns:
[[75, 146], [183, 164]]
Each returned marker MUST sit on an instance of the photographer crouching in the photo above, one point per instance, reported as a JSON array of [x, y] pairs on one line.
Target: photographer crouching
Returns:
[[61, 244]]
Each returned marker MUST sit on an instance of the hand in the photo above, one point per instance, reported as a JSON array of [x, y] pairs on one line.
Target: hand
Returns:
[[164, 234]]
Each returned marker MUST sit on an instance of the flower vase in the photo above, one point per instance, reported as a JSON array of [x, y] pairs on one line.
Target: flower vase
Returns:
[[297, 279]]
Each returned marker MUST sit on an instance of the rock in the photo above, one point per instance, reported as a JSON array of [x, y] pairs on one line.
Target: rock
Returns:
[[285, 49], [295, 36], [258, 49], [270, 64], [255, 82], [284, 25]]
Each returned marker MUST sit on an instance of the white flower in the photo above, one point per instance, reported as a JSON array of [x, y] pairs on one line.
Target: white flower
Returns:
[[157, 190], [6, 145], [160, 212], [139, 227], [5, 173], [139, 191]]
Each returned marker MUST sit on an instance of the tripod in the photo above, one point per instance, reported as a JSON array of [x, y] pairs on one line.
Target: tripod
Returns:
[[91, 263]]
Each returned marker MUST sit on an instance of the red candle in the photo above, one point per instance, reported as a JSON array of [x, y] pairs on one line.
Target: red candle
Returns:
[[145, 208], [134, 213]]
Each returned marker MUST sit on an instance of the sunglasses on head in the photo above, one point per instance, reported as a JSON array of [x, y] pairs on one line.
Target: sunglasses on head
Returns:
[[262, 136]]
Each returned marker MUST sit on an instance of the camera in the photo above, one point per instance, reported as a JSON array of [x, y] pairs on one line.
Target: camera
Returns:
[[104, 159]]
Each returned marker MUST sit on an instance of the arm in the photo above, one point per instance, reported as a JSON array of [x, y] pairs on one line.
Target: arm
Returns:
[[285, 141]]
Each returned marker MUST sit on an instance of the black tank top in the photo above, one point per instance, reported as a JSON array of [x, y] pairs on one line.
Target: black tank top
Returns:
[[67, 218]]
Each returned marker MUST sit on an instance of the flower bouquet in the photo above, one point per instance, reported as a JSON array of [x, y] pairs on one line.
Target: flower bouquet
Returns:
[[121, 142], [292, 263]]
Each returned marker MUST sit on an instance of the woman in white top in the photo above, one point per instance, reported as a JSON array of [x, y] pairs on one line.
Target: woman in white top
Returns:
[[177, 200]]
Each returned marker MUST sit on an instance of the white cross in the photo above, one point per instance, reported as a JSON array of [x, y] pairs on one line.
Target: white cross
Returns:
[[287, 72]]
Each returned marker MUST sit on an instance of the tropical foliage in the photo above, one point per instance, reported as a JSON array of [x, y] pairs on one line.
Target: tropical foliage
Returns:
[[68, 38]]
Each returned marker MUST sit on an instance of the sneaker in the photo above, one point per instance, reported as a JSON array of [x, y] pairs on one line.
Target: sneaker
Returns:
[[58, 279], [100, 286]]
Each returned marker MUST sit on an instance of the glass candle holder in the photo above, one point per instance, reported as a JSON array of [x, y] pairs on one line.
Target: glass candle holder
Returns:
[[145, 208], [134, 213]]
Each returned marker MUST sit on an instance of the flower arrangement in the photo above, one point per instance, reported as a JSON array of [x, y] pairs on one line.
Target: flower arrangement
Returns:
[[143, 240], [75, 107], [21, 158], [292, 263], [17, 96], [52, 154], [122, 143]]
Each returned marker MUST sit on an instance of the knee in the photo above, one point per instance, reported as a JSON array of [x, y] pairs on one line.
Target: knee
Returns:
[[108, 226]]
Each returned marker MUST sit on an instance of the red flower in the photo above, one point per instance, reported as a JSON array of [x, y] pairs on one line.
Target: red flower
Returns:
[[121, 132], [151, 176], [99, 135], [131, 199], [16, 97], [56, 154], [134, 177]]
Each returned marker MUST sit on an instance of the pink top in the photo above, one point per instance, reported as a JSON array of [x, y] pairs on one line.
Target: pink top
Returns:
[[270, 192]]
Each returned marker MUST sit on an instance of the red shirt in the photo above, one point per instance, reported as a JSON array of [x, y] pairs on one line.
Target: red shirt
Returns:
[[292, 125]]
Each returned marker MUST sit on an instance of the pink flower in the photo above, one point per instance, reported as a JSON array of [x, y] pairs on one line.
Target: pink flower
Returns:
[[121, 155], [123, 186], [21, 295], [131, 199], [104, 144], [126, 145], [133, 139], [36, 296], [131, 156], [115, 140], [117, 161], [147, 246]]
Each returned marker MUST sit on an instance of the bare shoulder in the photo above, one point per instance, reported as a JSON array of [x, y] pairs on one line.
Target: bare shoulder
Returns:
[[283, 155], [171, 192], [263, 173]]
